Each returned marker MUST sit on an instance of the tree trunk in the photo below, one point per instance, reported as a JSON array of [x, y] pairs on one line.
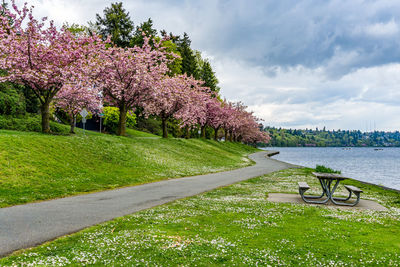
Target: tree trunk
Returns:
[[231, 136], [187, 132], [164, 127], [122, 120], [45, 111], [226, 135], [72, 124], [216, 133], [203, 131]]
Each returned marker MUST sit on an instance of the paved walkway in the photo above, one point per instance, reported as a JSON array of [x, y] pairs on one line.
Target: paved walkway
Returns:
[[32, 224]]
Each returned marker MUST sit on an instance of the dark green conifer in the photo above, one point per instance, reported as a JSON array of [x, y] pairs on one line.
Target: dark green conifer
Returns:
[[208, 76], [145, 28], [189, 62], [115, 23]]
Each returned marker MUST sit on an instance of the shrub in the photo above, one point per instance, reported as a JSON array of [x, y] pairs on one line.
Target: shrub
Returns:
[[29, 123], [31, 101], [12, 101], [149, 125], [111, 119], [322, 168]]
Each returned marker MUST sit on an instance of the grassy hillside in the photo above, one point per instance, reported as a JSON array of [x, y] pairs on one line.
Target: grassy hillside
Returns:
[[136, 133], [35, 166]]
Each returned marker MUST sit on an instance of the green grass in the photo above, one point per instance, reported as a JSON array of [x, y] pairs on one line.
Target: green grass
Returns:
[[236, 225], [136, 133], [35, 166]]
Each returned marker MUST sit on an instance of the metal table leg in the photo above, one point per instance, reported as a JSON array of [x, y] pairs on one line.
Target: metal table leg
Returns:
[[343, 199], [325, 191], [315, 197], [334, 200]]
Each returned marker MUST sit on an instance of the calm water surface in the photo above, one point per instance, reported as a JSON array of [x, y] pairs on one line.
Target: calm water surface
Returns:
[[362, 163]]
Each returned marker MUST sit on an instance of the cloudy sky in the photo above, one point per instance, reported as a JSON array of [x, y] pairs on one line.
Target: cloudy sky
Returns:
[[296, 64]]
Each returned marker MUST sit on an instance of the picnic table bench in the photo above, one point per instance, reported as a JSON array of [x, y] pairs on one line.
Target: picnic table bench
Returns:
[[329, 183]]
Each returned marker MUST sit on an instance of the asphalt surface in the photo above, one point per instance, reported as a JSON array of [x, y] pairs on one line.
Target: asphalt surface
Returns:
[[32, 224]]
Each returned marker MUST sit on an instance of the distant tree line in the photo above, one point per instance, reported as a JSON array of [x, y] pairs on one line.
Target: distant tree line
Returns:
[[334, 138]]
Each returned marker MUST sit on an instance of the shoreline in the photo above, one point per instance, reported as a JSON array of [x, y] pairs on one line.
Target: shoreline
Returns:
[[271, 153]]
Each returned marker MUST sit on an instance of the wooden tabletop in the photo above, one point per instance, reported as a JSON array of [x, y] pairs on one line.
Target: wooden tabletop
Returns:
[[324, 175]]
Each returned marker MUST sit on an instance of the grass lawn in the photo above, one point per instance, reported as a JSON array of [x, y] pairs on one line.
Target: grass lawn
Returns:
[[35, 166], [136, 133], [236, 225]]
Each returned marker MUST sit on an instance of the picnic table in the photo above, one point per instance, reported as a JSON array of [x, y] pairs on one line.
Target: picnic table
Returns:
[[329, 183]]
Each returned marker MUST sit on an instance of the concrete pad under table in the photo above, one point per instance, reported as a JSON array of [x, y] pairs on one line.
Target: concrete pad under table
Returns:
[[296, 198]]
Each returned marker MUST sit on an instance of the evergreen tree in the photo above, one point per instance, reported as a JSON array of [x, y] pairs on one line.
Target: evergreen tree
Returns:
[[208, 76], [189, 62], [4, 5], [3, 12], [116, 23], [146, 28]]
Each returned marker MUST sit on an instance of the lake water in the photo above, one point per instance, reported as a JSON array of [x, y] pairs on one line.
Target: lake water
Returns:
[[367, 164]]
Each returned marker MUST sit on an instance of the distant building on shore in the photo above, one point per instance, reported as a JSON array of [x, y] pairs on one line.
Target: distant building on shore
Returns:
[[310, 145]]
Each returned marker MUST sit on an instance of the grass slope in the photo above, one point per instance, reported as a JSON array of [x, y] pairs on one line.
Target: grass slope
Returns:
[[35, 166], [136, 133], [236, 225]]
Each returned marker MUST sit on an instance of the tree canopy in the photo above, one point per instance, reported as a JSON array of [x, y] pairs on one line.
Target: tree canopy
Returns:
[[144, 29], [208, 76], [115, 23], [189, 63]]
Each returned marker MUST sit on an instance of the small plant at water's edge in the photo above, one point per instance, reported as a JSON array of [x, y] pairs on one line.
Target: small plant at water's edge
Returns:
[[322, 168]]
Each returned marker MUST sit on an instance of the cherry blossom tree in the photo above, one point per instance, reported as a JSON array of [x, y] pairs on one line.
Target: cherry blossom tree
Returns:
[[73, 97], [180, 97], [238, 124], [42, 58], [212, 108], [196, 104], [129, 76], [230, 119], [216, 116], [247, 128], [250, 133]]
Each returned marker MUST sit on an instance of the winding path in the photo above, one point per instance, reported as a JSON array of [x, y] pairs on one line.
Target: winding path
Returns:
[[32, 224]]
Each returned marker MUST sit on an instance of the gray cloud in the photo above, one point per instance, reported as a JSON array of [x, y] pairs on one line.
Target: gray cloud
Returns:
[[345, 35], [340, 35]]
